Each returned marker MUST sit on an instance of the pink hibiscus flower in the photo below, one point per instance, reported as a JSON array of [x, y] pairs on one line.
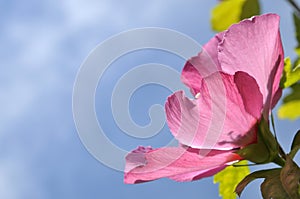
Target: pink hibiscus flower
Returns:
[[235, 81]]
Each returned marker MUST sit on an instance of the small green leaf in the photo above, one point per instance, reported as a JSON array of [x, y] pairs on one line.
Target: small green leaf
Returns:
[[297, 28], [294, 95], [297, 50], [290, 178], [265, 150], [268, 138], [229, 178], [250, 8], [296, 62], [291, 103], [290, 76], [228, 12], [296, 140], [257, 153], [257, 174], [294, 151], [295, 145]]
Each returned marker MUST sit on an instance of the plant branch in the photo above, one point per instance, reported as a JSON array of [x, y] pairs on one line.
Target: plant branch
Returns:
[[280, 149], [279, 161], [294, 5]]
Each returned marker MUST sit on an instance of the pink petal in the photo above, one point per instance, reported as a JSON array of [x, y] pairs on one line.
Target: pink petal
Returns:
[[249, 91], [254, 46], [176, 163], [197, 175], [202, 65], [222, 118]]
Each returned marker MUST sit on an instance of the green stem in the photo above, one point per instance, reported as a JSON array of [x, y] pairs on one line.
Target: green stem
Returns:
[[281, 151], [278, 160], [294, 5]]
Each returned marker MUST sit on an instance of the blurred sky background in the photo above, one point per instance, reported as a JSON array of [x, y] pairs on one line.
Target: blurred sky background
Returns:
[[43, 44]]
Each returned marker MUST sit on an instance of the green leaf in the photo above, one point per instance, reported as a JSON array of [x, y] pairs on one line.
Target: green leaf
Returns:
[[257, 174], [268, 138], [229, 178], [294, 95], [290, 76], [289, 110], [294, 151], [265, 150], [250, 8], [295, 145], [297, 29], [228, 12], [272, 187], [290, 178], [291, 103], [257, 153], [296, 140], [279, 183]]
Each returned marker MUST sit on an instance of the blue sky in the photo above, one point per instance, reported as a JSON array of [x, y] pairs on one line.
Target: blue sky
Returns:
[[43, 44]]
